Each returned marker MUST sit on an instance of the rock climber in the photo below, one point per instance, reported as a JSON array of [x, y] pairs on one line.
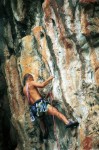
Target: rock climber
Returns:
[[39, 106]]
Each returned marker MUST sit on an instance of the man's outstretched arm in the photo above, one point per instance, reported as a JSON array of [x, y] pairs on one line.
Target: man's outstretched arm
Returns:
[[43, 84]]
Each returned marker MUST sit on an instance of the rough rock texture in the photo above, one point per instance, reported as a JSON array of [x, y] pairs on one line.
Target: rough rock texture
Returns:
[[52, 37], [88, 1]]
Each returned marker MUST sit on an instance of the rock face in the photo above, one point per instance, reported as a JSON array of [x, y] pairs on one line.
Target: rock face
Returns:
[[88, 1], [52, 37]]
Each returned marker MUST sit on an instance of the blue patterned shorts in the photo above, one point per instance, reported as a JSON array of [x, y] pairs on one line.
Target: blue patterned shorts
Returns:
[[38, 108]]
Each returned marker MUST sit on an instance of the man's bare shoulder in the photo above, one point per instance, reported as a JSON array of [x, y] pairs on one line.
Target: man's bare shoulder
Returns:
[[36, 84], [32, 83]]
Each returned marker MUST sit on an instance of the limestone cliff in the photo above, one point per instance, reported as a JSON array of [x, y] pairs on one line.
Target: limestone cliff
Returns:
[[50, 37]]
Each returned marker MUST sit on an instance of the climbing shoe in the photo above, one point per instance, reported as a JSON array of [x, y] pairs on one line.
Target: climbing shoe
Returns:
[[72, 124]]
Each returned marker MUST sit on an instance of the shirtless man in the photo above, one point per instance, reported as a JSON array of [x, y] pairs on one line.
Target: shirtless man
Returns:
[[38, 106]]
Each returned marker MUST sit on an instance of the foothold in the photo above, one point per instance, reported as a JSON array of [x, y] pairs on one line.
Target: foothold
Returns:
[[41, 34], [53, 22], [95, 113]]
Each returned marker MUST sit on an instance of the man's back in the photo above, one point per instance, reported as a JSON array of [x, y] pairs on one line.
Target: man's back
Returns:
[[32, 91]]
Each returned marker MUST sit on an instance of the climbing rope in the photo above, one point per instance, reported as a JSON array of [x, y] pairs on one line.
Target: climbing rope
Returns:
[[51, 99], [55, 133]]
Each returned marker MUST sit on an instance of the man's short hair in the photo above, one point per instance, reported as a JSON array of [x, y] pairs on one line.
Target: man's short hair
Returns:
[[26, 76]]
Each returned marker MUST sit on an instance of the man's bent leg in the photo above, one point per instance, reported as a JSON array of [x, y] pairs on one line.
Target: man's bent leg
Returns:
[[53, 111]]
